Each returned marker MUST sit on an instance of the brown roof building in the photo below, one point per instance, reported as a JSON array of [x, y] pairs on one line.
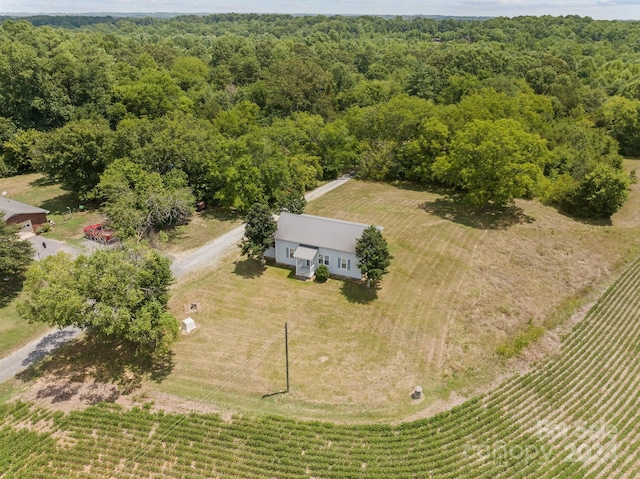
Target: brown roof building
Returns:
[[16, 212]]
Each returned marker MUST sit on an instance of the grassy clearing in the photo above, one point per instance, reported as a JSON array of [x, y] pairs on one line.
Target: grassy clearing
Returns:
[[629, 215], [573, 416], [204, 227], [460, 285], [33, 189]]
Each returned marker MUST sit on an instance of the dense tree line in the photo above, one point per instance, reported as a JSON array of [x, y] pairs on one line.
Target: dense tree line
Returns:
[[240, 109]]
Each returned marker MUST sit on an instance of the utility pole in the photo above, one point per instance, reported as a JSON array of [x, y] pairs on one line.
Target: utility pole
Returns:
[[286, 352], [286, 358]]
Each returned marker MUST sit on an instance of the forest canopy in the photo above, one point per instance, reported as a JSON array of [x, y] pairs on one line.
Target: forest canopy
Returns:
[[243, 109]]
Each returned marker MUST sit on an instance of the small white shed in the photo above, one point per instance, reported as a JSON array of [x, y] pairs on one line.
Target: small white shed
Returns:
[[188, 325]]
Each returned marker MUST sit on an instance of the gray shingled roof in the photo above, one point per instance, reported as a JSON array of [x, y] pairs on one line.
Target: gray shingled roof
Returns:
[[12, 208], [318, 231]]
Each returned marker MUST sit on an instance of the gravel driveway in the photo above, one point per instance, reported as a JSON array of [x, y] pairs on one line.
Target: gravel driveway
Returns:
[[34, 351], [195, 259]]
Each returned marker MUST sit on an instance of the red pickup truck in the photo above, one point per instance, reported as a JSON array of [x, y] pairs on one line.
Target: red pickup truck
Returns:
[[98, 232]]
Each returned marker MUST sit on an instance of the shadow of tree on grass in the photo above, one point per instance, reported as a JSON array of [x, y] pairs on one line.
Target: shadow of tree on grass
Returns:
[[452, 209], [358, 292], [248, 268], [9, 290], [43, 181], [219, 213], [59, 204], [105, 360]]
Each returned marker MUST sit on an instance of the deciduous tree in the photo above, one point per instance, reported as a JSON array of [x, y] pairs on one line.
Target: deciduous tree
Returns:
[[493, 162], [603, 191], [373, 254], [76, 154], [139, 202], [258, 231], [119, 292]]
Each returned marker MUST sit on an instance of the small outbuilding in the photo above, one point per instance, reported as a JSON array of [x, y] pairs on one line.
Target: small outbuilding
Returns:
[[15, 212], [188, 325]]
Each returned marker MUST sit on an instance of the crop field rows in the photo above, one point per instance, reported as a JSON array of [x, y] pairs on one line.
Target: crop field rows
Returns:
[[573, 416]]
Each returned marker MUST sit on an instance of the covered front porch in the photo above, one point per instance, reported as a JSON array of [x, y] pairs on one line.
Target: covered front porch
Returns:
[[306, 258]]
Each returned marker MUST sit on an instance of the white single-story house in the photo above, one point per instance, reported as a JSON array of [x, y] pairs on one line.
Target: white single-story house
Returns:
[[27, 216], [307, 241]]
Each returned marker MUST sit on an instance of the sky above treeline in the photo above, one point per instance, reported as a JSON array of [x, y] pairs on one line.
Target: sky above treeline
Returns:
[[597, 9]]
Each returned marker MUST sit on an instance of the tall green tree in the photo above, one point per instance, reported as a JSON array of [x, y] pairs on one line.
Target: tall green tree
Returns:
[[20, 151], [297, 84], [139, 202], [373, 254], [153, 94], [493, 162], [602, 191], [30, 95], [118, 292], [258, 231], [76, 154], [621, 117]]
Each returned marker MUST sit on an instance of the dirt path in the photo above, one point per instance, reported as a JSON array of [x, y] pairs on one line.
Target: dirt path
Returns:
[[189, 261]]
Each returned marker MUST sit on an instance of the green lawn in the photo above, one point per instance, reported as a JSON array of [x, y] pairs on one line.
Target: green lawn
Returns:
[[15, 331], [69, 214], [460, 285], [33, 189], [572, 415]]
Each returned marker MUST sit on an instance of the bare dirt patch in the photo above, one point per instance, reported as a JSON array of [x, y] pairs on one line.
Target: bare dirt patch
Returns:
[[58, 395]]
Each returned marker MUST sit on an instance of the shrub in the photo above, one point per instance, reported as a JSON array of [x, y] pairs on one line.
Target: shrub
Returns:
[[43, 228], [322, 273]]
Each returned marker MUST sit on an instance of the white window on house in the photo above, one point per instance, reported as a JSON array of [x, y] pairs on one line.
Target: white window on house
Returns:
[[323, 259], [344, 263], [290, 252]]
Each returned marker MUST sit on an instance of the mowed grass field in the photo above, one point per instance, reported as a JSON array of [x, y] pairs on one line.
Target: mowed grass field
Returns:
[[574, 414], [204, 227], [460, 285]]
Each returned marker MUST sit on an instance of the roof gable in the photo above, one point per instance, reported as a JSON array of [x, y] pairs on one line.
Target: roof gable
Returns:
[[319, 231], [12, 208]]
